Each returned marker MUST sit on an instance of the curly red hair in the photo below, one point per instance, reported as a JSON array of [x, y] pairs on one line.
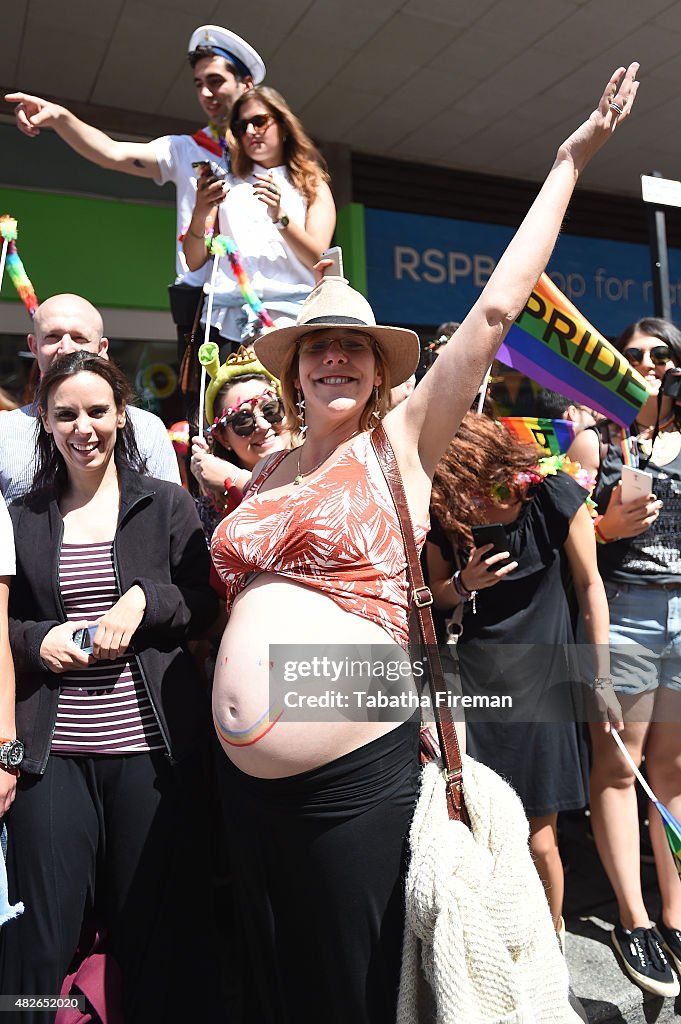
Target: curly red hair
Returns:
[[482, 456]]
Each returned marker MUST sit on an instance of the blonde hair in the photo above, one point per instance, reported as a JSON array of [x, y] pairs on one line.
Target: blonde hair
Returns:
[[305, 164], [367, 420]]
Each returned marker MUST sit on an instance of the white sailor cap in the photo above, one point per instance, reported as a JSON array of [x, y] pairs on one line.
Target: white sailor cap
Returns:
[[235, 49]]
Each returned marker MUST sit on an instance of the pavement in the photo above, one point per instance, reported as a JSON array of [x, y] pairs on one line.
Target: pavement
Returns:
[[602, 987]]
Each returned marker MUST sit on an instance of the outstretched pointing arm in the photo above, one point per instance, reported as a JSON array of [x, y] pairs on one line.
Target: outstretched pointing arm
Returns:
[[33, 113]]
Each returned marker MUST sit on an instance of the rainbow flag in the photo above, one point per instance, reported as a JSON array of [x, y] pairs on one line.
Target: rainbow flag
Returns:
[[555, 346], [552, 437], [672, 827]]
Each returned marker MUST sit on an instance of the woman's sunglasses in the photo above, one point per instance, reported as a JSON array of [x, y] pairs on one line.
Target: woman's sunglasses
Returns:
[[259, 121], [659, 355], [243, 422]]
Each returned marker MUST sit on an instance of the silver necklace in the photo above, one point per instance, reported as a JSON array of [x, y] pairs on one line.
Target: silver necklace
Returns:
[[298, 478]]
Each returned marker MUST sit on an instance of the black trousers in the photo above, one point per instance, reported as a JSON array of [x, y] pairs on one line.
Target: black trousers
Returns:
[[121, 837], [319, 862]]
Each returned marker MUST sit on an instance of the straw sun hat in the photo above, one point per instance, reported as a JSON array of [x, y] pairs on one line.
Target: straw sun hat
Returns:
[[333, 303]]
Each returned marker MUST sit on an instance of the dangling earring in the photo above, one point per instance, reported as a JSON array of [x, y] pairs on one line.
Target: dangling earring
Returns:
[[300, 403], [376, 414]]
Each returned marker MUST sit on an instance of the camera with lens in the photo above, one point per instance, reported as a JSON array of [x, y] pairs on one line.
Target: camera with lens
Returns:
[[671, 383]]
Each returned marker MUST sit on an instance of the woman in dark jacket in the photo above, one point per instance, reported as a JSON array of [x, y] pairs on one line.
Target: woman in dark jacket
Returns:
[[106, 818]]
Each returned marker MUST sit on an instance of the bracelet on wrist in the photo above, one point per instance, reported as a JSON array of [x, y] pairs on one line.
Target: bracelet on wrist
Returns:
[[602, 538], [231, 487], [459, 586], [602, 683], [195, 234], [462, 590]]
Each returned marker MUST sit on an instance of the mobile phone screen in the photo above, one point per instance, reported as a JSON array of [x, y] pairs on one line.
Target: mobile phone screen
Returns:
[[495, 534], [83, 638]]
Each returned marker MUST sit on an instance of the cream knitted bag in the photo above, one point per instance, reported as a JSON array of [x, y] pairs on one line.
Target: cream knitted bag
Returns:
[[479, 942]]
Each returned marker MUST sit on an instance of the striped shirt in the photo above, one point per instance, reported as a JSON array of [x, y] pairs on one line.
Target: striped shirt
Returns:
[[105, 708]]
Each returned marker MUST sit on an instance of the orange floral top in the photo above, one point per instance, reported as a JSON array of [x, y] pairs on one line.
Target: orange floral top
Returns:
[[339, 534]]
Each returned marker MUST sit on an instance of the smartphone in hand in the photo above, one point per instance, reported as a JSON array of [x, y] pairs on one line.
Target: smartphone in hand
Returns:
[[495, 534], [636, 484], [83, 638], [336, 255], [209, 170]]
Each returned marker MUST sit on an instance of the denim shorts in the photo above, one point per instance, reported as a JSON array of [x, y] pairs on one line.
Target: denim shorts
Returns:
[[645, 636]]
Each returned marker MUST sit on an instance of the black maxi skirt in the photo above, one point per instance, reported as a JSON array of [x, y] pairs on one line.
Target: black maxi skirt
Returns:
[[319, 861]]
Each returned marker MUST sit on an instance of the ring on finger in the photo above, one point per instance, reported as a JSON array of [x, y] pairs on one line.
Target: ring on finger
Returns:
[[616, 108]]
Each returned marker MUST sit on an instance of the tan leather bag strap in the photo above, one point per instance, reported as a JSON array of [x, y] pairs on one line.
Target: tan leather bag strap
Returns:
[[421, 601], [189, 376]]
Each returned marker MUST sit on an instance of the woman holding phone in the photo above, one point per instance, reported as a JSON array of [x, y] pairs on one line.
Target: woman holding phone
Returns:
[[275, 204], [639, 556], [111, 580], [517, 638]]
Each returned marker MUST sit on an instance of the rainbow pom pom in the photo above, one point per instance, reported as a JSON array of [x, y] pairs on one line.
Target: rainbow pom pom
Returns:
[[245, 285], [222, 245], [8, 228], [15, 268], [219, 245], [21, 281]]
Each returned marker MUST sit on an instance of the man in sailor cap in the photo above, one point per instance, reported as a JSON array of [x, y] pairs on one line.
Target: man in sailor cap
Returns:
[[223, 66]]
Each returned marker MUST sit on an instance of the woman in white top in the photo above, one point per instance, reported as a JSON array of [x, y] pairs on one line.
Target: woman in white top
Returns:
[[276, 205]]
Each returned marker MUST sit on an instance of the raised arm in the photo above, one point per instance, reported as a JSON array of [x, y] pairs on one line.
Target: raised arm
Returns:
[[448, 388], [33, 113]]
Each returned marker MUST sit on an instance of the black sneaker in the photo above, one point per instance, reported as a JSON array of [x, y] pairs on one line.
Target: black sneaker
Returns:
[[671, 939], [642, 958]]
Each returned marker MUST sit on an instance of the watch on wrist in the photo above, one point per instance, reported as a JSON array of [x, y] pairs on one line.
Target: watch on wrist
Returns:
[[283, 221], [11, 754]]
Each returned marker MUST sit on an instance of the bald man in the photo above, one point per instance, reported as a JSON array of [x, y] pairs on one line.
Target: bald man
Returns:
[[63, 324]]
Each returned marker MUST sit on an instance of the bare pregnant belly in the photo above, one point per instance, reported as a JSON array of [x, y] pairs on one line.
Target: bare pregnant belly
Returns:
[[266, 700]]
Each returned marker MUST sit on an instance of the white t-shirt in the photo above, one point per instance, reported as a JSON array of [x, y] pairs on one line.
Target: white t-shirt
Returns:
[[175, 155], [278, 277], [8, 564]]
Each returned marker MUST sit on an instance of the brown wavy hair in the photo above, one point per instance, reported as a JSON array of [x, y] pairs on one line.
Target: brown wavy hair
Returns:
[[304, 162], [367, 420], [483, 454]]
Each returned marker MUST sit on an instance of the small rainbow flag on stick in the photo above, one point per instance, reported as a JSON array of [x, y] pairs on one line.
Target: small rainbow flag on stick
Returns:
[[15, 268], [552, 437], [555, 346], [672, 828]]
